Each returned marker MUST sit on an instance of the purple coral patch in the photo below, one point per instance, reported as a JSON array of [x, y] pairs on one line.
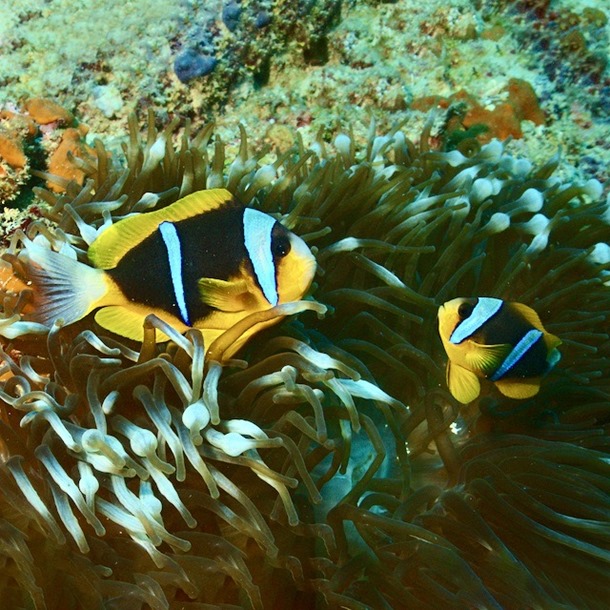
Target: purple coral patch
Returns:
[[191, 64]]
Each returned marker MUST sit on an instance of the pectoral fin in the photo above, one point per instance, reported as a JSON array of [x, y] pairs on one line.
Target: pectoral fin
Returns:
[[230, 296], [485, 359], [462, 383], [519, 388]]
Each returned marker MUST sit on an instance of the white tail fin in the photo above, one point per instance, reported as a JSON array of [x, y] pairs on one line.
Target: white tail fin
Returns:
[[63, 287]]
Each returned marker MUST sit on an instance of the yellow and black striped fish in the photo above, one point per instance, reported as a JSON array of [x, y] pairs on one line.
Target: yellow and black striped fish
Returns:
[[498, 340], [205, 261]]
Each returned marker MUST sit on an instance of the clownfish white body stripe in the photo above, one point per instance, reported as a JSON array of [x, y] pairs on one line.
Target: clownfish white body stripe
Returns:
[[205, 261], [517, 353], [498, 340], [174, 256]]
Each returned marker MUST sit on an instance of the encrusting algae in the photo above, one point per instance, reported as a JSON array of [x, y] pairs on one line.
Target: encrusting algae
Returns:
[[329, 466]]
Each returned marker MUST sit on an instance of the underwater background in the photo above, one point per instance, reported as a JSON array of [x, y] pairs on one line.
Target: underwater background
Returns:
[[425, 151]]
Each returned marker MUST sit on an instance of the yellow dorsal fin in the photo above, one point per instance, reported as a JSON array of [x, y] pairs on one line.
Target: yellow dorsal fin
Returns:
[[112, 245], [519, 388], [485, 359], [462, 383], [528, 314], [551, 341]]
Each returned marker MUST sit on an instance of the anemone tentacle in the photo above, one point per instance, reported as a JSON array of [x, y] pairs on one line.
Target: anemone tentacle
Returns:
[[328, 465]]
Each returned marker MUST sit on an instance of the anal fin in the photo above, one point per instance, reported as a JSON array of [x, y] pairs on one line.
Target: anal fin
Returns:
[[519, 388], [128, 321]]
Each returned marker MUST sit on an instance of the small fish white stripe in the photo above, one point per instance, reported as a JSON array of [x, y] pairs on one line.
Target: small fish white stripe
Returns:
[[526, 343], [174, 257], [485, 308]]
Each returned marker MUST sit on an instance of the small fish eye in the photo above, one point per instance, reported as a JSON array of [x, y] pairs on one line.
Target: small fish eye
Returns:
[[280, 246], [464, 310]]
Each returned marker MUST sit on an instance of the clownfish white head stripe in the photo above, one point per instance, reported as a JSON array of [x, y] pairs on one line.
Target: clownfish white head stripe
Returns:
[[485, 308], [174, 257], [258, 228]]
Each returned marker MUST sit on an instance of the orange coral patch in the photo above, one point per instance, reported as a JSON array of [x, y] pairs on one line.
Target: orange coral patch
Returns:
[[12, 152], [523, 98], [60, 163], [502, 121], [20, 122], [45, 111], [9, 282]]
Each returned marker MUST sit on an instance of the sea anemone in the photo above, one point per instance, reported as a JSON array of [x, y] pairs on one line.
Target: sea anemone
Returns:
[[329, 466]]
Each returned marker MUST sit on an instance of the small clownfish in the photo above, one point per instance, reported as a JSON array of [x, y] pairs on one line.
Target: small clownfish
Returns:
[[205, 261], [497, 340]]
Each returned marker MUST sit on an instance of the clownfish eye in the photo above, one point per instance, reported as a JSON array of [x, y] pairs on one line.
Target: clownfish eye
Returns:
[[280, 246], [464, 310]]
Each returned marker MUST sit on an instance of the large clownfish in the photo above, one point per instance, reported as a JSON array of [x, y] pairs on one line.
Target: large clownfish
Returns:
[[205, 261], [497, 340]]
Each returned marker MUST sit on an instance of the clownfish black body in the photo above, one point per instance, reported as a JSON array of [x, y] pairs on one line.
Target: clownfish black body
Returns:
[[498, 340], [205, 261]]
